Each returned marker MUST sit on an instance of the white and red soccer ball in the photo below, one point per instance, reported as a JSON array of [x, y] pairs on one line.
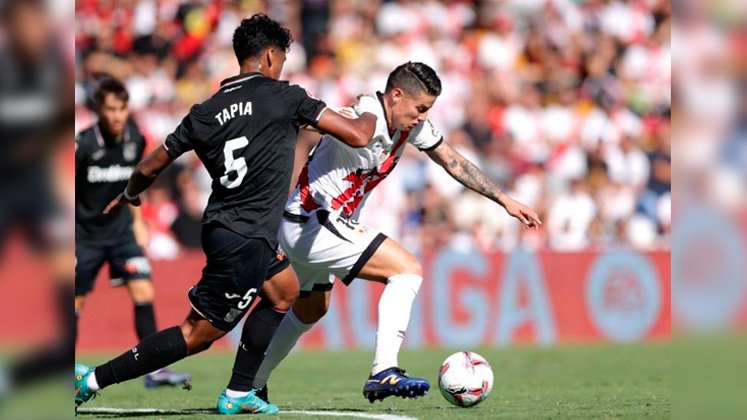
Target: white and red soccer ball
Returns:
[[465, 378]]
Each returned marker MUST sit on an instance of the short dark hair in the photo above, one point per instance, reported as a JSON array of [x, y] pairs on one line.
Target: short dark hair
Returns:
[[413, 78], [257, 33], [107, 86]]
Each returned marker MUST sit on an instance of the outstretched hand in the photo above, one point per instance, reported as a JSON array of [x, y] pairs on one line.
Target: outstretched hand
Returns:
[[526, 215], [120, 200]]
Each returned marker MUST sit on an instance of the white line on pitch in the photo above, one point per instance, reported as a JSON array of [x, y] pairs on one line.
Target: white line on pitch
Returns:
[[112, 410]]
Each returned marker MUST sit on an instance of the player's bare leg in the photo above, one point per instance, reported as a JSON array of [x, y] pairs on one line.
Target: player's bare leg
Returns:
[[402, 273], [312, 308], [306, 311]]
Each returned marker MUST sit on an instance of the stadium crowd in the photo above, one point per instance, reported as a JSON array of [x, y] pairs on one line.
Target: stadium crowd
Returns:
[[564, 103]]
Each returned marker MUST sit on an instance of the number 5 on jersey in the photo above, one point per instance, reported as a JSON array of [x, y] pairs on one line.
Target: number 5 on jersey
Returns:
[[233, 164]]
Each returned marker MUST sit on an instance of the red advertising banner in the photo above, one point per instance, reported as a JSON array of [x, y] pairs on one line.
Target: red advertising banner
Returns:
[[466, 299]]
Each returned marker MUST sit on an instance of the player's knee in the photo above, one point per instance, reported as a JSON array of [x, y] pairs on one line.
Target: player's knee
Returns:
[[80, 302], [197, 342], [195, 345], [198, 335], [286, 298], [141, 291], [411, 265]]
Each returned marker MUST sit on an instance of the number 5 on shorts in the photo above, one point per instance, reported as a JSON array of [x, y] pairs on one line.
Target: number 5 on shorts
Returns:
[[247, 299]]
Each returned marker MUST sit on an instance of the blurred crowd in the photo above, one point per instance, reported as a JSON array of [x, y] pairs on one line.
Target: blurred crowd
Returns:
[[565, 104]]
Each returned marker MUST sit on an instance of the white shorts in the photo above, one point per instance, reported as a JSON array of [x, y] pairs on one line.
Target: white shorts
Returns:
[[323, 246]]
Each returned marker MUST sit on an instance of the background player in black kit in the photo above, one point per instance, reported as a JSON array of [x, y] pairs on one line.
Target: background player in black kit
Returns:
[[245, 136], [105, 155]]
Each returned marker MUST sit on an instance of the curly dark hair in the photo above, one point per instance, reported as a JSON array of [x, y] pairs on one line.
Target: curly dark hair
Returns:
[[413, 78], [257, 33]]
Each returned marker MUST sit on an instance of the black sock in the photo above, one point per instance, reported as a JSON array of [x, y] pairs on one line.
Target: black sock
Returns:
[[155, 352], [145, 320], [258, 330]]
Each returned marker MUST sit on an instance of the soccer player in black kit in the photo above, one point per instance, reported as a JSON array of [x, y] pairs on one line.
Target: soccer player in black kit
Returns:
[[245, 135], [105, 155]]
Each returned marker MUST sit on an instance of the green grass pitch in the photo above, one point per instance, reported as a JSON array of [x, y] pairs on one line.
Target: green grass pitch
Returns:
[[601, 381]]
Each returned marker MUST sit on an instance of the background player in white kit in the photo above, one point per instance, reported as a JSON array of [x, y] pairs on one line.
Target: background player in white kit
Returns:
[[321, 237]]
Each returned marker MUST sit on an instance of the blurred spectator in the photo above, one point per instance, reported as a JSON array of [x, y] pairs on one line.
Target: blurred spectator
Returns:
[[537, 93], [660, 181], [570, 217]]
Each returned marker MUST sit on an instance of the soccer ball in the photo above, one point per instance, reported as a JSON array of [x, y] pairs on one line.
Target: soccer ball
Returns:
[[465, 379]]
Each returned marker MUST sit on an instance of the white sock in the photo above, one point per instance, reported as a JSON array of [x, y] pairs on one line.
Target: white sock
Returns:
[[93, 385], [236, 394], [285, 337], [394, 315]]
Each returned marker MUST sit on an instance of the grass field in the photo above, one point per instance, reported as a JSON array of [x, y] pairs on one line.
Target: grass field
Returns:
[[572, 382]]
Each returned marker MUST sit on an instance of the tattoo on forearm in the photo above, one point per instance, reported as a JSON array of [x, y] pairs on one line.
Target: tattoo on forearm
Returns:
[[470, 176]]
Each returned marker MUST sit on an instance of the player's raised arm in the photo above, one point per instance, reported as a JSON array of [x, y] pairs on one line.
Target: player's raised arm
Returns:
[[471, 177], [355, 132], [142, 177]]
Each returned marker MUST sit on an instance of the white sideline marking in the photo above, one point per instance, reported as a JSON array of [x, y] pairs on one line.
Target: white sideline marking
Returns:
[[112, 410]]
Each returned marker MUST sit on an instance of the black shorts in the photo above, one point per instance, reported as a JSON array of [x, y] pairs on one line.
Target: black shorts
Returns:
[[279, 263], [126, 262], [37, 214], [234, 273]]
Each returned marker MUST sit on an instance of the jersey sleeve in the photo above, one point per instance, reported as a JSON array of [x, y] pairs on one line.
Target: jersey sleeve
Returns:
[[426, 136], [304, 108], [366, 104], [180, 141]]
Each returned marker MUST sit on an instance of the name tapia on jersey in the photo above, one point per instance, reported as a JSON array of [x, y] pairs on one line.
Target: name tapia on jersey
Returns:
[[240, 109], [245, 135]]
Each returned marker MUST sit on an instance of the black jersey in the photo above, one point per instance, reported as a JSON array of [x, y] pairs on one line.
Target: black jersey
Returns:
[[245, 136], [32, 103], [102, 170]]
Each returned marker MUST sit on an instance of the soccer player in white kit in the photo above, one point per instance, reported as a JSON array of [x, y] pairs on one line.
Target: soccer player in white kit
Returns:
[[323, 240]]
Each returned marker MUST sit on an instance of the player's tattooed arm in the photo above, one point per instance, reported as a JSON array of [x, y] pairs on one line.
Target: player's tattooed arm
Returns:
[[465, 172], [471, 177]]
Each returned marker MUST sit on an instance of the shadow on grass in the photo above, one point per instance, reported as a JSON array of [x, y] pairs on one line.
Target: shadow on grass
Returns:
[[111, 413]]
